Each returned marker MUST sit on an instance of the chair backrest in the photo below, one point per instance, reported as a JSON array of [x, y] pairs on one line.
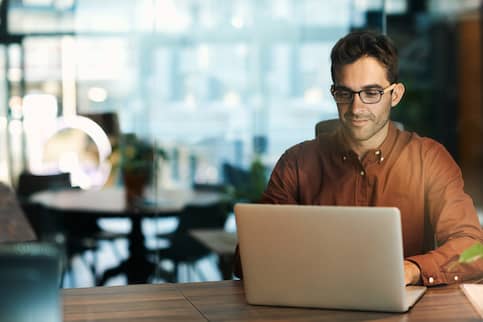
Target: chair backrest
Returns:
[[235, 176], [29, 183], [183, 246], [326, 126], [202, 216], [45, 225], [14, 226]]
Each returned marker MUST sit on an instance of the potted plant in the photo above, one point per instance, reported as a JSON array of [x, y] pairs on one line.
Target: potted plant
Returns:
[[471, 254], [137, 163], [252, 188], [468, 256]]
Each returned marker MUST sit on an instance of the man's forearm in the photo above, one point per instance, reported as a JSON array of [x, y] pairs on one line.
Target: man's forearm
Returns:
[[438, 266]]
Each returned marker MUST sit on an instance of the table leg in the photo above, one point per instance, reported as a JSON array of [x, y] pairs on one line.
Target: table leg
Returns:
[[225, 265], [137, 267]]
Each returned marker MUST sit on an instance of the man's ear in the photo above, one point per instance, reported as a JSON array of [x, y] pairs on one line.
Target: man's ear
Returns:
[[397, 94]]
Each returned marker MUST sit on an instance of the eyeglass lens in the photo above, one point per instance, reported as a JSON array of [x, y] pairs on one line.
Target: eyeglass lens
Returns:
[[368, 96]]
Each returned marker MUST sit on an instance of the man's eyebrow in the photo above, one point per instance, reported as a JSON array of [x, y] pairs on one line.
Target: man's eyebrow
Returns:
[[342, 87], [372, 86], [369, 86]]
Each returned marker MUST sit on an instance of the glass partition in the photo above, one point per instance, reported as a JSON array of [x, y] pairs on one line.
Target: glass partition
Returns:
[[216, 82]]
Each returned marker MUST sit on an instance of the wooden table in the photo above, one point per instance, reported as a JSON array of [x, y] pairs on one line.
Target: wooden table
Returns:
[[225, 301], [111, 202]]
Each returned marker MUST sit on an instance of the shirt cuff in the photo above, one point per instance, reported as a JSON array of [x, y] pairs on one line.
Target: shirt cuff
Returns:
[[431, 274]]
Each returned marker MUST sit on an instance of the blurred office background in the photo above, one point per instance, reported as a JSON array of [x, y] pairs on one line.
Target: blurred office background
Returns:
[[216, 82]]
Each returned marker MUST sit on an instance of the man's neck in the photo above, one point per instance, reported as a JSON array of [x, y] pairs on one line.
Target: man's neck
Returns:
[[361, 147]]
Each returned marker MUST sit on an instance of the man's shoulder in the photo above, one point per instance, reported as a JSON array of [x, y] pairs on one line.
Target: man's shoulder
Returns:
[[302, 146], [416, 139], [423, 144]]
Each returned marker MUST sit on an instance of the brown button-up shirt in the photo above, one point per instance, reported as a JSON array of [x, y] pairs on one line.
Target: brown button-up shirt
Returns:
[[415, 174]]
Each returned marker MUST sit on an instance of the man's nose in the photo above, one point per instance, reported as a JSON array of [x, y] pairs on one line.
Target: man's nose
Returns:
[[357, 105]]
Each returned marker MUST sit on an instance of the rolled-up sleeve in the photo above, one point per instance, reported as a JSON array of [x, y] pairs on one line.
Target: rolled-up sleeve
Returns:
[[453, 218]]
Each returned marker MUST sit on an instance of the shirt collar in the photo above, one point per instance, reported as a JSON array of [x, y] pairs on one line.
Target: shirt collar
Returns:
[[380, 153]]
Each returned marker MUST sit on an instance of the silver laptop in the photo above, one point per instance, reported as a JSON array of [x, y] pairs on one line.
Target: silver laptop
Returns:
[[29, 282], [324, 256]]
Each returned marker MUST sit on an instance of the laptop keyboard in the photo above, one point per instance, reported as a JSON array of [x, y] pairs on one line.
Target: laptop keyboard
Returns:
[[413, 293]]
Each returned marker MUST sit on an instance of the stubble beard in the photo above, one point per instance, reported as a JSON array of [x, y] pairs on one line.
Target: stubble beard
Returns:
[[363, 133]]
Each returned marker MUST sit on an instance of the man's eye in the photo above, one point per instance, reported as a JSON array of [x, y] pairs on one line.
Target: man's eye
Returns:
[[343, 94], [372, 93]]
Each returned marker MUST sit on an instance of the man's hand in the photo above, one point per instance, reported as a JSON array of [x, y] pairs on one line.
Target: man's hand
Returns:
[[412, 274]]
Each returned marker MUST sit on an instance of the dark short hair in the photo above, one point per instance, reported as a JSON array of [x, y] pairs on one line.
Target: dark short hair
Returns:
[[358, 44]]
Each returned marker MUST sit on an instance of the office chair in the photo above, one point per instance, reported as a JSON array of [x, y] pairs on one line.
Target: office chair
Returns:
[[53, 226], [14, 226], [46, 226], [326, 126], [184, 249]]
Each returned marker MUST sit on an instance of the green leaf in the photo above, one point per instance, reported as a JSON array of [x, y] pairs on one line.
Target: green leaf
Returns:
[[472, 254]]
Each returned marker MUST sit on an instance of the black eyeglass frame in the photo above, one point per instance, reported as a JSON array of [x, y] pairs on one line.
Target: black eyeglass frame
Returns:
[[381, 92]]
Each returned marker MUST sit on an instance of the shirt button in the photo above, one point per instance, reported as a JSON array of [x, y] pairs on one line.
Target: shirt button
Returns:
[[378, 152], [381, 159], [362, 173], [431, 280]]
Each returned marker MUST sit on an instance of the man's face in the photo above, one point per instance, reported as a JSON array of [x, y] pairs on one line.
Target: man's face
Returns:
[[365, 123]]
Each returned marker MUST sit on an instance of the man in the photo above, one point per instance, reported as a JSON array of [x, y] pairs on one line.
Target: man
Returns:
[[367, 161]]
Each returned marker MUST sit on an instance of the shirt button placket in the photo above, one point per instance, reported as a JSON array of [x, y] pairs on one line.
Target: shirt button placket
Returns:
[[363, 188]]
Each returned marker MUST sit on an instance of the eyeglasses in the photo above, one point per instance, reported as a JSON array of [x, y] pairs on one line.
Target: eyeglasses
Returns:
[[343, 95]]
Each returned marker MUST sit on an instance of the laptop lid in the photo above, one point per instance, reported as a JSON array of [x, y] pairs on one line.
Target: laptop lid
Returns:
[[322, 256], [29, 282]]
